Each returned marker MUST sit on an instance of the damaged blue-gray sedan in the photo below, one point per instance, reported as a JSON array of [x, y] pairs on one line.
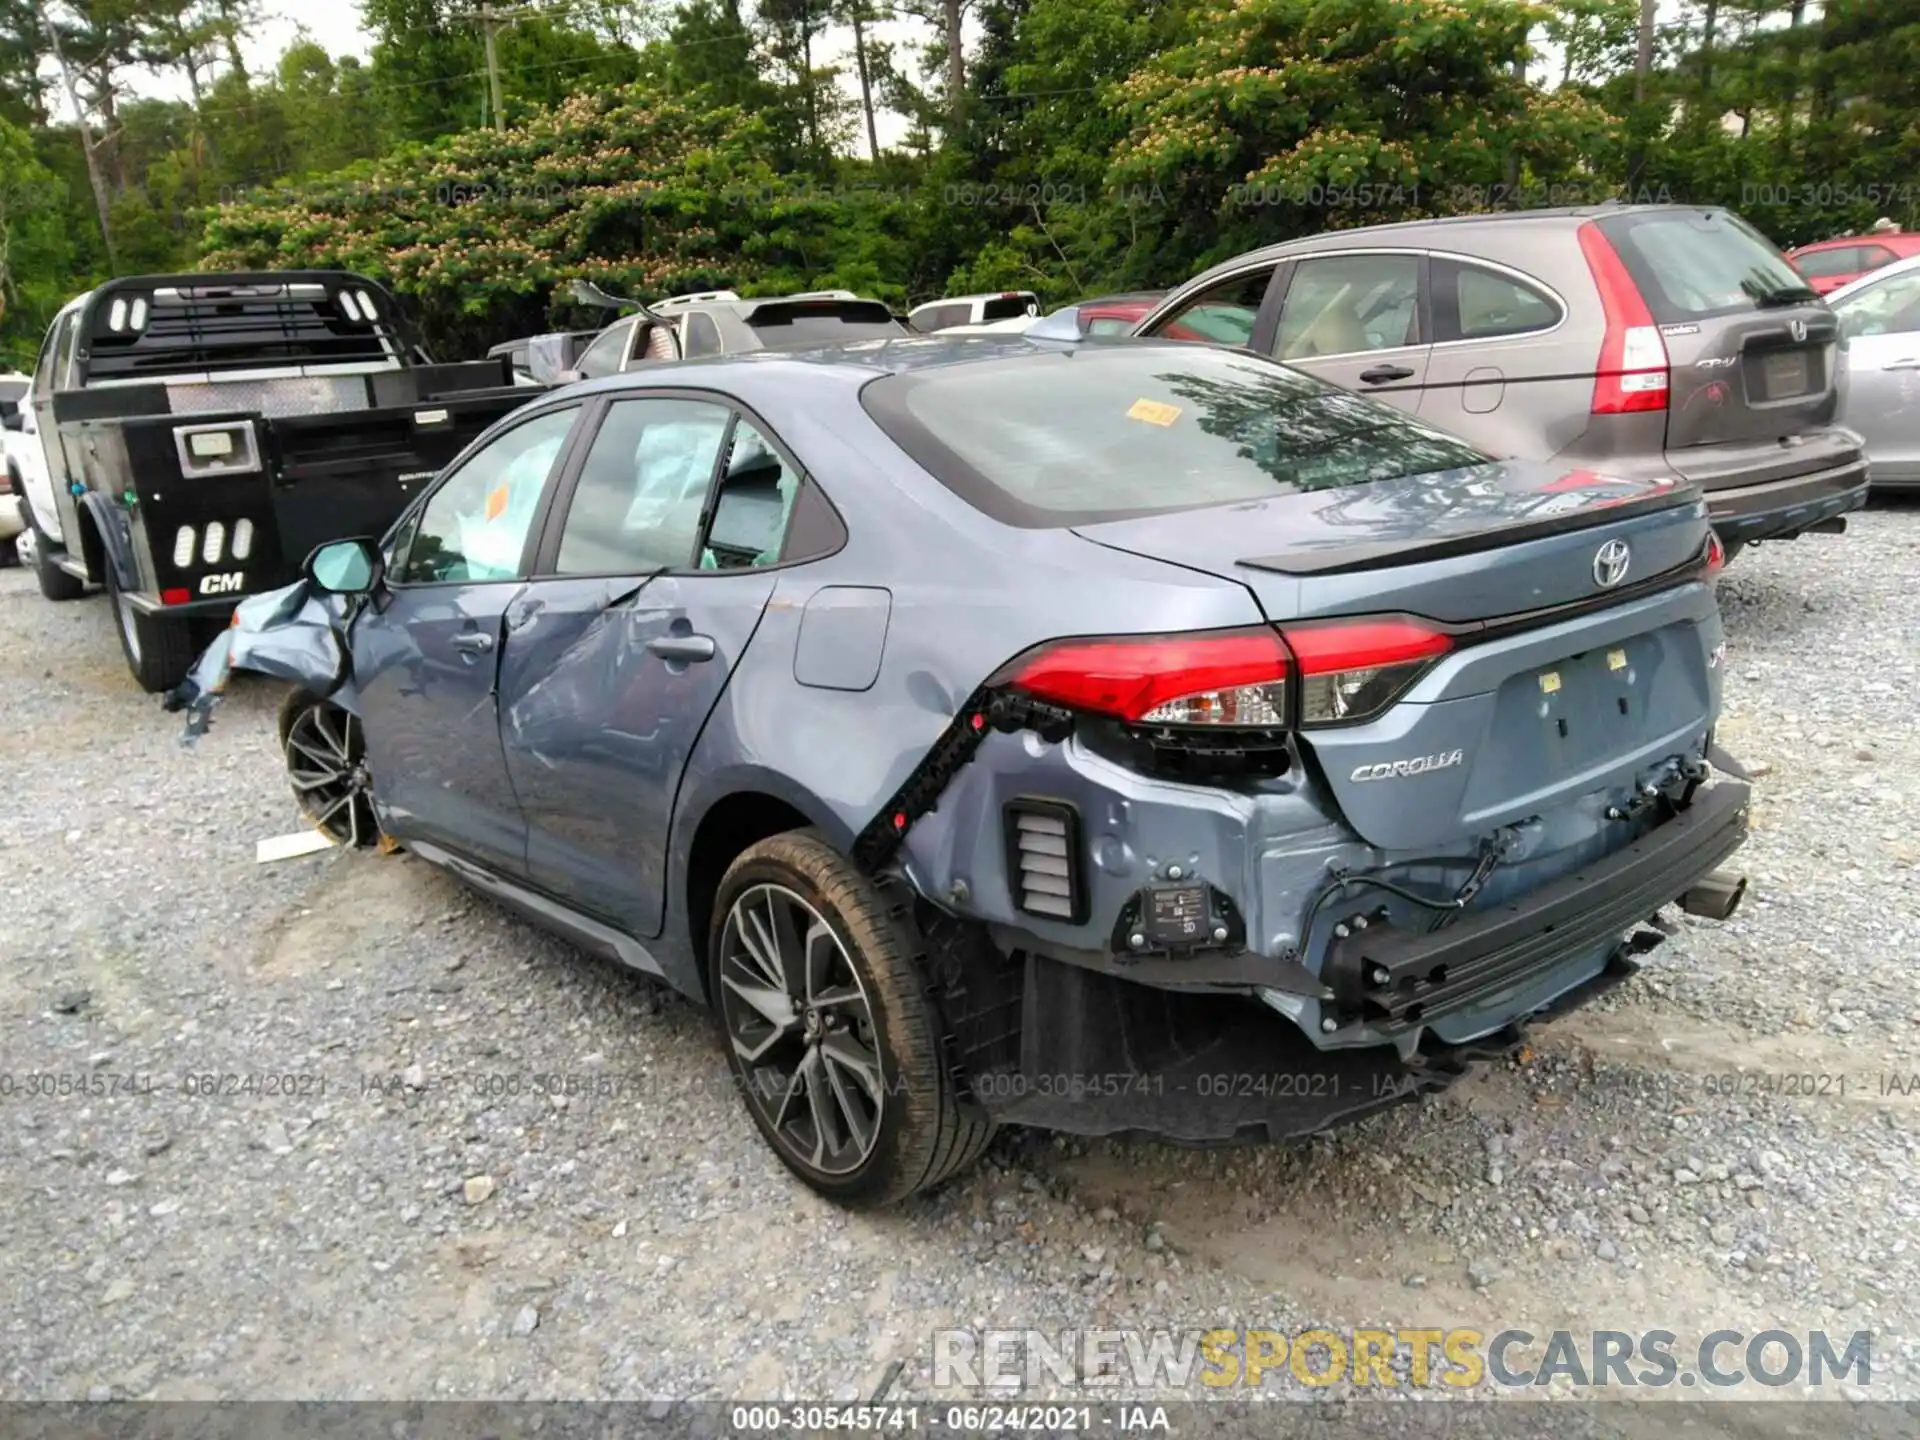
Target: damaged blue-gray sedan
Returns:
[[1118, 737]]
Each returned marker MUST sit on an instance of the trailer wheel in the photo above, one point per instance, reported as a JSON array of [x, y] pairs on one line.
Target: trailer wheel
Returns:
[[159, 650]]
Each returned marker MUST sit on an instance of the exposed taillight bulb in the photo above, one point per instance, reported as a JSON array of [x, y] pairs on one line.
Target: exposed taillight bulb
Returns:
[[1716, 555]]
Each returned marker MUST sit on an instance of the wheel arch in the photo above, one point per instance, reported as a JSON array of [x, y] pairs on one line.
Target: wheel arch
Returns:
[[103, 542], [728, 825]]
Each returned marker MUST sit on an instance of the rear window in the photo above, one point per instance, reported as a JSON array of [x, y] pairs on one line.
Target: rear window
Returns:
[[1819, 264], [1006, 307], [1693, 264], [1107, 433], [823, 323]]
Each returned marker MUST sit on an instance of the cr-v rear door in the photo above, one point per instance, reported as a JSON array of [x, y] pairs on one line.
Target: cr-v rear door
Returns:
[[1355, 319], [1753, 353]]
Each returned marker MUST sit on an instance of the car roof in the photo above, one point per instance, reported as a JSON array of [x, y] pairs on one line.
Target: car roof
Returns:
[[859, 361]]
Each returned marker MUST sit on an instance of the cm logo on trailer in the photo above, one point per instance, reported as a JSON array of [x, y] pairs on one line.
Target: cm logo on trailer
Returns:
[[223, 584]]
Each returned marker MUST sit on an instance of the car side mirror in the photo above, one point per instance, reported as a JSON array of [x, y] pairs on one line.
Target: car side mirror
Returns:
[[346, 567]]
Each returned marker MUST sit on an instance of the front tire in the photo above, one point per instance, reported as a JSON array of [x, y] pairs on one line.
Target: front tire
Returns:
[[833, 1038], [325, 749], [159, 650]]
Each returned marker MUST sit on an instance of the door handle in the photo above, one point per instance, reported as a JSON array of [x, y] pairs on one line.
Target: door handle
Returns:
[[1380, 374], [683, 647], [474, 642]]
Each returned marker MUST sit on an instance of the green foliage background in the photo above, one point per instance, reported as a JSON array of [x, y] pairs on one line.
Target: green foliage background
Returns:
[[1097, 144]]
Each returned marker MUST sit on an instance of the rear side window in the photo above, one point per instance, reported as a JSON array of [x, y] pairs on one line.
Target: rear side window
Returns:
[[1104, 434], [1695, 264], [703, 336], [642, 490], [1471, 302]]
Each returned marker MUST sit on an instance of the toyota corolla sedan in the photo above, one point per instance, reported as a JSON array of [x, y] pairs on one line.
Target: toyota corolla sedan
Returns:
[[1111, 736]]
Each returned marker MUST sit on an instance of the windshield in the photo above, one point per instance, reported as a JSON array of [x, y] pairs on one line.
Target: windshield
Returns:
[[1104, 433], [1693, 264]]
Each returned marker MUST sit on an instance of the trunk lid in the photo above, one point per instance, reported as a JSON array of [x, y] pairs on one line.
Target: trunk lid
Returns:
[[1527, 710], [1754, 355]]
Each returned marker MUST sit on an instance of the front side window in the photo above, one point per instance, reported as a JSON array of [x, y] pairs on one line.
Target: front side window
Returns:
[[643, 487], [1887, 307], [1347, 304], [1109, 433], [474, 527], [1222, 314]]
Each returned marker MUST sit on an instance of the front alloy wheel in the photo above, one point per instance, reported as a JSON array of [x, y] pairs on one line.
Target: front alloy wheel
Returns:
[[326, 752]]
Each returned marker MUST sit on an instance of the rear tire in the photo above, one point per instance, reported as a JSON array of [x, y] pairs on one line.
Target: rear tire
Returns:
[[325, 749], [55, 583], [833, 1038], [159, 651]]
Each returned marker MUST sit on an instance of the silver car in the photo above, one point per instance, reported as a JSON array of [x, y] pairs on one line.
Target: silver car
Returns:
[[1880, 318], [1652, 341]]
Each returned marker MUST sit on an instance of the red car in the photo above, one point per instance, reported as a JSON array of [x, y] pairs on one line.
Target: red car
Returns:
[[1115, 314], [1829, 264]]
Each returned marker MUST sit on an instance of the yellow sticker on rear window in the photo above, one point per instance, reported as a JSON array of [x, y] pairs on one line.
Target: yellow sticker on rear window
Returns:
[[496, 502], [1154, 412], [1550, 682], [1616, 659]]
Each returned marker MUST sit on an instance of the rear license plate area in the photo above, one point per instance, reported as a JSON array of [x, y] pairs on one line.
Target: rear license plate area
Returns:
[[1786, 375]]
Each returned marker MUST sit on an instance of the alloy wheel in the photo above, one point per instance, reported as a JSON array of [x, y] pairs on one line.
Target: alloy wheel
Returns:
[[802, 1030], [326, 763]]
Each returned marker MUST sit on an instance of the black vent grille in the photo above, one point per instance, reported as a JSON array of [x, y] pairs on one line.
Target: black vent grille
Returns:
[[1043, 860]]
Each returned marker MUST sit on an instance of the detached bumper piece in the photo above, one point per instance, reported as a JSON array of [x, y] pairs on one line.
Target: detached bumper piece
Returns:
[[1394, 979]]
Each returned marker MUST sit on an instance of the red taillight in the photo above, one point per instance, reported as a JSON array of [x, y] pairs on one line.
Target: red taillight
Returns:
[[1221, 677], [1631, 374], [1716, 554], [1353, 669], [175, 597]]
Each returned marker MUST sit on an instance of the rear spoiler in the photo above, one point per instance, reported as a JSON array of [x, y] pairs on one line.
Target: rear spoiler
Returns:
[[1339, 559]]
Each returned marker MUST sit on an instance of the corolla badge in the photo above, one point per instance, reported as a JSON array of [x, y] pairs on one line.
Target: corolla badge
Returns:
[[1610, 563], [1401, 769]]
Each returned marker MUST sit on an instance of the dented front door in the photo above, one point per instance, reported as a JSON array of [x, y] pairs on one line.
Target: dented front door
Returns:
[[605, 685]]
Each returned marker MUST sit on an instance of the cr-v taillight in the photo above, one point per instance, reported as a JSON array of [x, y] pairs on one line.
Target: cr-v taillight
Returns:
[[1631, 373], [1342, 670]]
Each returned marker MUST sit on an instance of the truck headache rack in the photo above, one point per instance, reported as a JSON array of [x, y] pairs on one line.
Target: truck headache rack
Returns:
[[176, 327]]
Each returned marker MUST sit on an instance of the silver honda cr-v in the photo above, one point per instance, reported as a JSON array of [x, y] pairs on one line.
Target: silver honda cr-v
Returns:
[[1650, 340]]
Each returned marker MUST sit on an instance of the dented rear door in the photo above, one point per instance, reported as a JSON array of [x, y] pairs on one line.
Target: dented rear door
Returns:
[[605, 685]]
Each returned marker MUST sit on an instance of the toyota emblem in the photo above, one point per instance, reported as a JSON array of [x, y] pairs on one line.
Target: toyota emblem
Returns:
[[1799, 328], [1610, 563]]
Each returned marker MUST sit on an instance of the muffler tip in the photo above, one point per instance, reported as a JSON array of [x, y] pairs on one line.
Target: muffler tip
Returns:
[[1716, 897]]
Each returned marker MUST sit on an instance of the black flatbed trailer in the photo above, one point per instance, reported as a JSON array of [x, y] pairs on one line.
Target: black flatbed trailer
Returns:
[[204, 432]]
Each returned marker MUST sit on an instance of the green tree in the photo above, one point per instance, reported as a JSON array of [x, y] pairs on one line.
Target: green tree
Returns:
[[37, 269]]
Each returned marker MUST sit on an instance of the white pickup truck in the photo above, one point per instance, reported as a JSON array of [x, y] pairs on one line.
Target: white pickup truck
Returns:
[[25, 466]]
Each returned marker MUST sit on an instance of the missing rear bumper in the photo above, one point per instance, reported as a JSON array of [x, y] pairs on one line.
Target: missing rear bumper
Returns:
[[1394, 979]]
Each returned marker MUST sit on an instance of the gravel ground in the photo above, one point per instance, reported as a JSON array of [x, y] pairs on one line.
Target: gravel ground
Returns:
[[415, 1222]]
